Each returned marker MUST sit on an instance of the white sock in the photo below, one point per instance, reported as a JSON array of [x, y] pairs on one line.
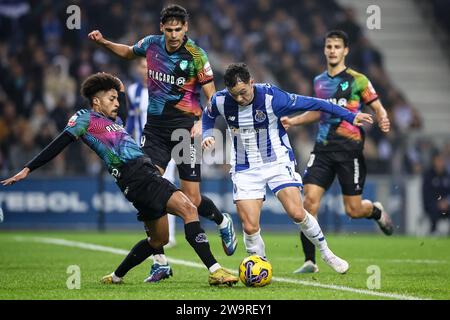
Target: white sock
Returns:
[[224, 222], [160, 259], [311, 229], [172, 224], [254, 244], [216, 266]]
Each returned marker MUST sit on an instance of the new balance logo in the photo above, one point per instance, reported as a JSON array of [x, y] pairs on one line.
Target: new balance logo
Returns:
[[231, 118], [201, 237]]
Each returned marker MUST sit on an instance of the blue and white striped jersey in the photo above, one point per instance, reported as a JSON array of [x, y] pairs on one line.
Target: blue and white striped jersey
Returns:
[[257, 134]]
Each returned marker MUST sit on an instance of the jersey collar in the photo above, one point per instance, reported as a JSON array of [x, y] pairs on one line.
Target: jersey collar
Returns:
[[337, 75]]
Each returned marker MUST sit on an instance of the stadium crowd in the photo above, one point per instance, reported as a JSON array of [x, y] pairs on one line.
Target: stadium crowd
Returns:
[[42, 63]]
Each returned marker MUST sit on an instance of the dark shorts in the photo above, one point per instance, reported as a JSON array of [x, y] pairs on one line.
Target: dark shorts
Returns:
[[143, 185], [350, 168], [157, 143]]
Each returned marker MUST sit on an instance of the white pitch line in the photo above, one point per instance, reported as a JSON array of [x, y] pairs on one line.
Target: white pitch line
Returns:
[[95, 247], [417, 261], [413, 261]]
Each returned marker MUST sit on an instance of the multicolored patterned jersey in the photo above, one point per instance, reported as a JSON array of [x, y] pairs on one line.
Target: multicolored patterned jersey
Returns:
[[107, 138], [348, 89], [174, 81]]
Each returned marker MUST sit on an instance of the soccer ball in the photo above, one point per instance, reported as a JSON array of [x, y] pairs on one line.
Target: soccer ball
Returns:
[[255, 271]]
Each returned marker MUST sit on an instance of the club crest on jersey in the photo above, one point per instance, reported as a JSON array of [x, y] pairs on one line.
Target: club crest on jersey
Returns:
[[260, 116], [344, 85], [183, 64], [72, 121]]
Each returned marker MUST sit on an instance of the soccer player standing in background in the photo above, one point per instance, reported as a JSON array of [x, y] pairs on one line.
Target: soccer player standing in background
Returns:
[[177, 68], [137, 117], [262, 154], [339, 144]]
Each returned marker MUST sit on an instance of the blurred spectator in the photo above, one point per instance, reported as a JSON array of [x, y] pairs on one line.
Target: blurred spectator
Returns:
[[25, 150], [42, 63], [59, 85], [404, 115], [436, 191]]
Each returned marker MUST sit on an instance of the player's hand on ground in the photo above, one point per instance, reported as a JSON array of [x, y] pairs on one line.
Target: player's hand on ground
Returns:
[[96, 36], [384, 124], [19, 176], [208, 143], [361, 118], [196, 130], [286, 122]]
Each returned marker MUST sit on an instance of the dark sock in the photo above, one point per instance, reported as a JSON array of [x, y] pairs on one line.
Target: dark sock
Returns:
[[376, 214], [158, 251], [208, 209], [141, 251], [308, 248], [196, 237]]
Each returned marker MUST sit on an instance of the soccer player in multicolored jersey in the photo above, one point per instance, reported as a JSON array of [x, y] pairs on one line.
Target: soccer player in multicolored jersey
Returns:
[[137, 117], [135, 174], [339, 144], [262, 155], [177, 69]]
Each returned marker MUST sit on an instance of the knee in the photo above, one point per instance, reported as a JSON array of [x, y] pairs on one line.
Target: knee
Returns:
[[195, 198], [353, 211], [311, 205], [250, 228], [159, 242], [189, 210]]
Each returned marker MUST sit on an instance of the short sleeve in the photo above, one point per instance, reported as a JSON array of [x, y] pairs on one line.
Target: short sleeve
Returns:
[[203, 67], [140, 48], [367, 91]]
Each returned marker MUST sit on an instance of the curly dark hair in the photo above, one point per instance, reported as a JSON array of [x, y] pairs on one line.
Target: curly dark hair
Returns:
[[100, 81]]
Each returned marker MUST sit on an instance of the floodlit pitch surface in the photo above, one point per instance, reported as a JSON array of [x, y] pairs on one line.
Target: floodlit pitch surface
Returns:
[[35, 265]]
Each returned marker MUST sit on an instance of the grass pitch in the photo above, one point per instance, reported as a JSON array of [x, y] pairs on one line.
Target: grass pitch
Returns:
[[34, 265]]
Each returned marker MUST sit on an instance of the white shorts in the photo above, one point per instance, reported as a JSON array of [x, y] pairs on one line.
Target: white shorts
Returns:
[[251, 183]]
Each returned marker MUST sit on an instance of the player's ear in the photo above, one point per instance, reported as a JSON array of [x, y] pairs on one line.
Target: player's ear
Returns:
[[95, 101], [345, 51], [186, 26], [161, 27]]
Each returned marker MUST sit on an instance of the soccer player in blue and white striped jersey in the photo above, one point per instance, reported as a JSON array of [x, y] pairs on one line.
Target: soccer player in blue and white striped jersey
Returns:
[[262, 154]]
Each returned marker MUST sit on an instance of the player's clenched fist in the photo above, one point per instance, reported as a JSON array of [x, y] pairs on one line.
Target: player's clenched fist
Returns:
[[384, 124], [96, 36], [208, 143]]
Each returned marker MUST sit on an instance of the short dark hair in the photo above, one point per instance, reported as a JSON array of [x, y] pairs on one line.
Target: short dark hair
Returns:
[[338, 34], [100, 81], [235, 72], [174, 12]]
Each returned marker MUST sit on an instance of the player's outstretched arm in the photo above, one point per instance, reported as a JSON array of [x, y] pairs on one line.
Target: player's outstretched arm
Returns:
[[381, 115], [19, 176], [305, 118], [52, 150], [121, 50]]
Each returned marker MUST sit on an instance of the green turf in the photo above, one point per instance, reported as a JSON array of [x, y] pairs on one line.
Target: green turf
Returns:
[[33, 270]]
